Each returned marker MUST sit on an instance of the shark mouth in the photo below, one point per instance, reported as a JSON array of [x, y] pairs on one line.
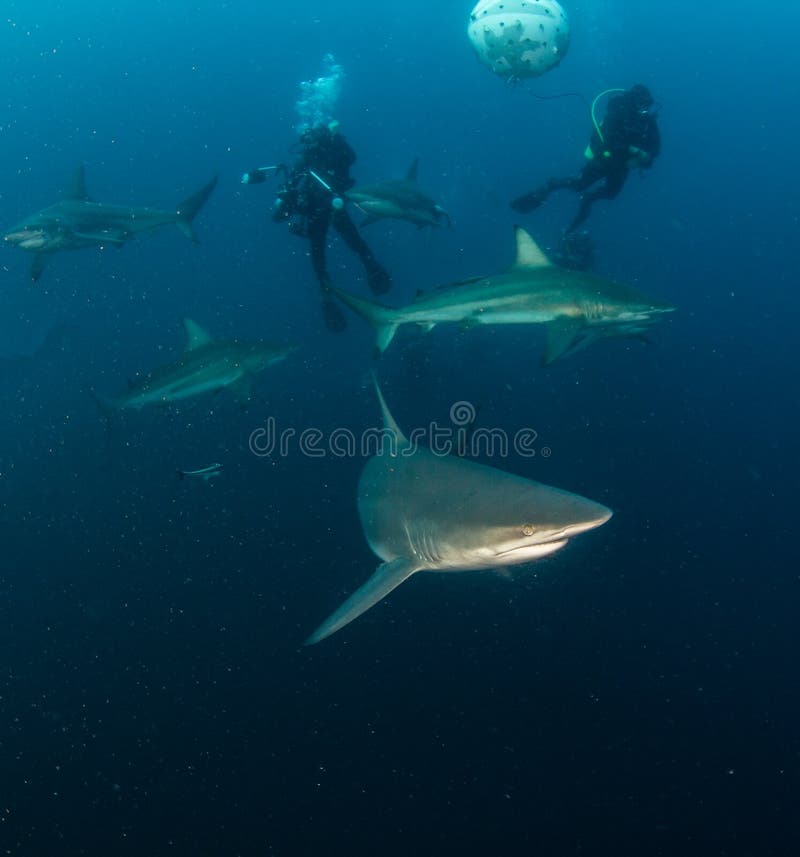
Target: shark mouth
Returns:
[[525, 553], [28, 239]]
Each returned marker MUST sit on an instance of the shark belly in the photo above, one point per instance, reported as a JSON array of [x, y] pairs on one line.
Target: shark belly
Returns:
[[195, 386], [507, 315], [183, 388], [484, 309], [438, 551]]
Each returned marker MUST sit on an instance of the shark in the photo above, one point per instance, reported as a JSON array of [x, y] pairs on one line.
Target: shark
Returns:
[[398, 199], [421, 511], [76, 221], [207, 366], [577, 307]]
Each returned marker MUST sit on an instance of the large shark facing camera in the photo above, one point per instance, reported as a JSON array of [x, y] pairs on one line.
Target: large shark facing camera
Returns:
[[426, 512]]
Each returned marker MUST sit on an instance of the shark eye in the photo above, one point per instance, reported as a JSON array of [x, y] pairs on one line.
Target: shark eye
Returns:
[[528, 530]]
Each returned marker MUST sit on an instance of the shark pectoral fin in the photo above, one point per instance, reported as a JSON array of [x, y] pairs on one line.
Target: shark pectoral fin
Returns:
[[38, 265], [187, 230], [562, 338], [441, 214], [387, 577], [384, 334]]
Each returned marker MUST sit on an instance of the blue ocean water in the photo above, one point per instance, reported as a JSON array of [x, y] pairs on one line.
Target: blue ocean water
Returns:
[[636, 693]]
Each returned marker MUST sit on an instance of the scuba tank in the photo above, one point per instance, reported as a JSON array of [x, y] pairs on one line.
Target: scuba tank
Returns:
[[589, 152]]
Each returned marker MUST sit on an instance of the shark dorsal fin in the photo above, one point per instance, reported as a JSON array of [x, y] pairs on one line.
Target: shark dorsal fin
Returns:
[[388, 420], [76, 189], [529, 254], [196, 337], [411, 175]]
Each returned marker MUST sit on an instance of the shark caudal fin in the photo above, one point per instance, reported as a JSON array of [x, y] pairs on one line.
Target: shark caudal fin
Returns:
[[188, 209], [387, 577], [105, 407], [107, 410], [384, 319]]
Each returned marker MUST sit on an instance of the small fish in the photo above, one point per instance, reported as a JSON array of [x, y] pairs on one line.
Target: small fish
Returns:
[[204, 473]]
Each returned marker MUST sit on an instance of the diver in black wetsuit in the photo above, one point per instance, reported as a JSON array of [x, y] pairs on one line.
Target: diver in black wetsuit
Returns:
[[627, 138], [311, 201]]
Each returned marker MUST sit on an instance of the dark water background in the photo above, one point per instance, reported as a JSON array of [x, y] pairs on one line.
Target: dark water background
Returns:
[[636, 694]]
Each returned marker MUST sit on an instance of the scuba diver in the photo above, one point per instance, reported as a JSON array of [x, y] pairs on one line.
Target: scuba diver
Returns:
[[311, 200], [628, 138]]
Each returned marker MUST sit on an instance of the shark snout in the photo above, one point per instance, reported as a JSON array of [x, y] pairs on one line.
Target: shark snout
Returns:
[[539, 539], [593, 517], [578, 518], [27, 239]]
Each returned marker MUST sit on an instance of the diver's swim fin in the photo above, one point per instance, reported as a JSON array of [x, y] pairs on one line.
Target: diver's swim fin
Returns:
[[528, 202]]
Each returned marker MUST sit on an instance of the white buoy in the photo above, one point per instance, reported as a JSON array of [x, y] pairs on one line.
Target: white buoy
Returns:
[[519, 38]]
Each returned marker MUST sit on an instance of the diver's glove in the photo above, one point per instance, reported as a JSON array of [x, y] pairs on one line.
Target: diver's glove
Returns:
[[259, 174], [255, 176]]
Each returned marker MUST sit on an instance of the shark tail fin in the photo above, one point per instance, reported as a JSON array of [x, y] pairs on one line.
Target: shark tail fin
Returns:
[[388, 576], [106, 410], [188, 209], [384, 319], [104, 406]]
